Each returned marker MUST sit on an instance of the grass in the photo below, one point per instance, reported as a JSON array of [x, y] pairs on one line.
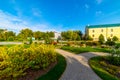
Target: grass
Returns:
[[56, 72], [94, 63], [10, 45], [79, 50]]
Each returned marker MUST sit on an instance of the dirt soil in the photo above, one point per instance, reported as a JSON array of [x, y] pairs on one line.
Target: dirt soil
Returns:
[[34, 74]]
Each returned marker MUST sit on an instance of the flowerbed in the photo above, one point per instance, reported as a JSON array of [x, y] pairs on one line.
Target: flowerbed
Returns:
[[14, 61]]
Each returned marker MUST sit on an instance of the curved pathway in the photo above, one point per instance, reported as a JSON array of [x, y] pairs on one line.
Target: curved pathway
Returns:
[[78, 67]]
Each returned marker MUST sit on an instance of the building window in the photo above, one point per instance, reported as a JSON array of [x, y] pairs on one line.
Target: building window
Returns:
[[111, 30], [101, 30], [93, 31], [93, 35]]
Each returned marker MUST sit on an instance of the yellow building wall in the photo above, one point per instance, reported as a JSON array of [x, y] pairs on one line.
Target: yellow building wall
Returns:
[[106, 32]]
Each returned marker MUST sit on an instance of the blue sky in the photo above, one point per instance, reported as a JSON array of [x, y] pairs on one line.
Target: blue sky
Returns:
[[57, 15]]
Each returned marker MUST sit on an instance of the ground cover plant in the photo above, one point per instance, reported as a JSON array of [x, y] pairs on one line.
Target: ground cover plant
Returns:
[[15, 60], [79, 50], [104, 68], [55, 73], [107, 67]]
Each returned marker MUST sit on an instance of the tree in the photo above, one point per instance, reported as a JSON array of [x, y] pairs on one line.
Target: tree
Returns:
[[51, 34], [115, 38], [89, 38], [75, 35], [80, 34], [67, 35], [24, 33], [71, 35], [38, 35], [101, 39], [47, 39]]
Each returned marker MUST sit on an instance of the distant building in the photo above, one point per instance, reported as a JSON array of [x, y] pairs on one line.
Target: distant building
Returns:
[[107, 30], [57, 35]]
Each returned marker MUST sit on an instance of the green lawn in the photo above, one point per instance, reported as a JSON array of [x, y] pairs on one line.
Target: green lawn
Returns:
[[56, 72], [99, 70], [10, 45], [79, 50]]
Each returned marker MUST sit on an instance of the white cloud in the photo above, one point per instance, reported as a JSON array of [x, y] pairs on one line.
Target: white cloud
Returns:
[[99, 13], [11, 22], [99, 1], [87, 6], [36, 12]]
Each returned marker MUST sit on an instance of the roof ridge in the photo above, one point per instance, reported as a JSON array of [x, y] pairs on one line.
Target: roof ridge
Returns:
[[103, 25]]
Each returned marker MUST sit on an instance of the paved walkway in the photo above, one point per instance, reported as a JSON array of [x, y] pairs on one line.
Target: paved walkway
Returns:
[[78, 67]]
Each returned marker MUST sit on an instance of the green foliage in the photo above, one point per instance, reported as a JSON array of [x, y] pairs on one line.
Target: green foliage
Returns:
[[101, 39], [79, 50], [89, 38], [15, 60], [110, 43], [11, 38], [92, 43], [100, 70], [24, 33], [56, 72], [115, 38], [38, 35], [7, 35], [117, 45], [114, 57], [50, 34], [71, 35], [30, 40]]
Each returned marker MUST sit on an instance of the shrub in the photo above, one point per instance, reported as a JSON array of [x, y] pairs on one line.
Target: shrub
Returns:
[[92, 43], [89, 38], [101, 39], [11, 38], [14, 61], [115, 38], [30, 40], [114, 57], [110, 43], [2, 39], [70, 43], [117, 45]]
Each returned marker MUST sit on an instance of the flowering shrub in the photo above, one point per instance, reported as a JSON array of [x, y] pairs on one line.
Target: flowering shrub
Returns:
[[15, 60], [114, 57]]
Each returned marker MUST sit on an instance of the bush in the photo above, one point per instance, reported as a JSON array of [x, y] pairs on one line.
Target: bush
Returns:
[[110, 43], [115, 38], [117, 45], [101, 39], [114, 57], [92, 43], [14, 61], [2, 39], [30, 41], [70, 43], [11, 38]]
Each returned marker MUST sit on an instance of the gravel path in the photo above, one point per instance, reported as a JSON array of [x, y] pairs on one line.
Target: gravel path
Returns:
[[78, 67]]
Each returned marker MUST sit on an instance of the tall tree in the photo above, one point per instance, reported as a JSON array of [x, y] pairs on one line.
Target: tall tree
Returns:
[[24, 33], [50, 34], [71, 35], [38, 35], [101, 39]]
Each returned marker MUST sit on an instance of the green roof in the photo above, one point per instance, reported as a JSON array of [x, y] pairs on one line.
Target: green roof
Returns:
[[103, 26]]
